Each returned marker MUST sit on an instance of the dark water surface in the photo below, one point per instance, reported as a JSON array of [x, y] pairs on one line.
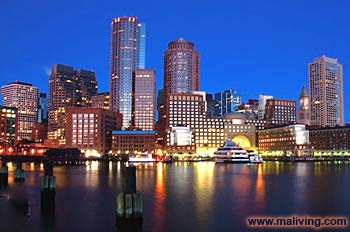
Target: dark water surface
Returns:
[[181, 196]]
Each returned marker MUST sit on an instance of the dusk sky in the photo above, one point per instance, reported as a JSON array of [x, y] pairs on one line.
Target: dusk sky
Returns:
[[253, 46]]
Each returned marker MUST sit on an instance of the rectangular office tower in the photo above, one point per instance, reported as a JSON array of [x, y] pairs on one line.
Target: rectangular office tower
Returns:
[[227, 102], [67, 88], [326, 92], [143, 99], [127, 54], [24, 97]]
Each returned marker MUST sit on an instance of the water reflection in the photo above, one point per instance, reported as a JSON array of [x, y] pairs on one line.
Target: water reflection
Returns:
[[260, 187]]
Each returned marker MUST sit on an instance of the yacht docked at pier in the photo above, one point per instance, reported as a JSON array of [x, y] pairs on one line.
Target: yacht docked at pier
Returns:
[[231, 153]]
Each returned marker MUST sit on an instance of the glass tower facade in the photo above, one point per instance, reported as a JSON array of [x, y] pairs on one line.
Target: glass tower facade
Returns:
[[127, 53], [226, 102]]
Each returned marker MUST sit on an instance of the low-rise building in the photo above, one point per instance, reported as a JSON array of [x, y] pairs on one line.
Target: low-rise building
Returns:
[[133, 141], [287, 140], [330, 140]]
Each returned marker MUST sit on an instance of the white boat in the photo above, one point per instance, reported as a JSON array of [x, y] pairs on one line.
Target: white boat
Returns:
[[231, 153], [256, 158], [141, 158]]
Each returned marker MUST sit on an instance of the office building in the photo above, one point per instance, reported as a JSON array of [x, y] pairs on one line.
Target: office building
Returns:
[[285, 141], [8, 120], [330, 140], [67, 88], [24, 97], [90, 129], [261, 105], [280, 112], [42, 109], [133, 141], [227, 102], [181, 67], [127, 54], [326, 92], [143, 99]]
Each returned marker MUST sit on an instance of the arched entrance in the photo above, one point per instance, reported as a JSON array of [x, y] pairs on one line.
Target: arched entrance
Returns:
[[243, 141]]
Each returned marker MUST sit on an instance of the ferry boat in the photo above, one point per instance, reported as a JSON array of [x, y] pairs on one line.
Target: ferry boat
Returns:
[[141, 158], [231, 153]]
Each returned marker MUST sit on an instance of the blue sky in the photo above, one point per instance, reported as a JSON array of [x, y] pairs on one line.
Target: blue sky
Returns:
[[253, 46]]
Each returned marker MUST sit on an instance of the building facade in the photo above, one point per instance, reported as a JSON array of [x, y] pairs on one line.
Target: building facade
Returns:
[[326, 92], [39, 132], [127, 53], [181, 67], [280, 112], [90, 129], [304, 115], [67, 88], [87, 86], [42, 109], [261, 105], [25, 98], [227, 102], [143, 99], [100, 100], [133, 141], [330, 140], [285, 141], [189, 111], [8, 120]]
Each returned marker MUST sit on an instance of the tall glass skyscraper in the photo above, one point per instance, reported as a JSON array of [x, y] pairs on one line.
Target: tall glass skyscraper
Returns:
[[127, 54], [326, 92]]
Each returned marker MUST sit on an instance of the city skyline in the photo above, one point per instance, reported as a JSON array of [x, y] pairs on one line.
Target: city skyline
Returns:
[[233, 66]]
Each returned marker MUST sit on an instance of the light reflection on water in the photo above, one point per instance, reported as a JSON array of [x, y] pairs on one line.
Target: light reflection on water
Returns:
[[200, 196]]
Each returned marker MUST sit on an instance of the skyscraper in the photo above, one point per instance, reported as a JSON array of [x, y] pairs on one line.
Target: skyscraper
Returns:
[[143, 99], [42, 109], [181, 67], [304, 107], [326, 92], [87, 86], [24, 97], [227, 102], [67, 87], [127, 53]]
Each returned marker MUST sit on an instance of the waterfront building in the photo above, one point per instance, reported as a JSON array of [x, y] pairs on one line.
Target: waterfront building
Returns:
[[326, 92], [280, 112], [227, 102], [133, 141], [259, 124], [143, 99], [189, 111], [8, 120], [67, 88], [100, 100], [90, 129], [42, 109], [261, 105], [286, 140], [304, 107], [330, 140], [127, 54], [24, 97]]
